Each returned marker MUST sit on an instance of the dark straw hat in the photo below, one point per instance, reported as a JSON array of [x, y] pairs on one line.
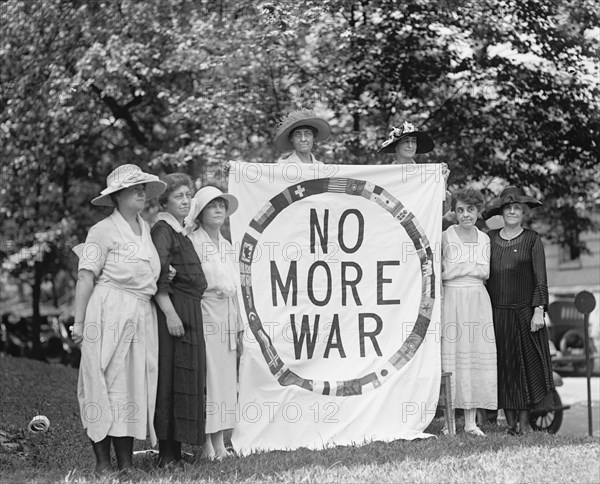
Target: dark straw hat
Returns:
[[424, 142], [509, 195]]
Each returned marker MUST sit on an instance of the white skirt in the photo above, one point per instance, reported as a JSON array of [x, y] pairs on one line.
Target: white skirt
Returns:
[[118, 373], [469, 346]]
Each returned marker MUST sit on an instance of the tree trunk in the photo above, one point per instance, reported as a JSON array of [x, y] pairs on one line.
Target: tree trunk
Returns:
[[36, 351], [54, 290]]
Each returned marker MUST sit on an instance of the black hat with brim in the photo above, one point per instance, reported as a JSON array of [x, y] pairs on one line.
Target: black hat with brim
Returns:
[[424, 142], [509, 195]]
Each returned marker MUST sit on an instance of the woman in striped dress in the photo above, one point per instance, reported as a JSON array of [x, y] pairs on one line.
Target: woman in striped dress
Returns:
[[519, 293]]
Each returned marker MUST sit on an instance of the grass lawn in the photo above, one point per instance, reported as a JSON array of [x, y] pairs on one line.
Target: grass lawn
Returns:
[[64, 454]]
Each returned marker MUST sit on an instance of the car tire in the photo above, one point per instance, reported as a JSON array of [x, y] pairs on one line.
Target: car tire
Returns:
[[550, 419], [573, 338]]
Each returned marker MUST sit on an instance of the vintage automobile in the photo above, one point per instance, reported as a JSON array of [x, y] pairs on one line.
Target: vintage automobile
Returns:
[[566, 333], [55, 341]]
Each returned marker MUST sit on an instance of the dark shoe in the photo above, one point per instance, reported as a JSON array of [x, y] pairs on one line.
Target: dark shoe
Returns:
[[103, 470], [102, 453], [166, 462], [169, 453], [512, 432], [177, 450], [124, 451], [168, 465], [511, 417]]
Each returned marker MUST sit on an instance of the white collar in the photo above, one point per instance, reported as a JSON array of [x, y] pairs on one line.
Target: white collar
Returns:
[[201, 233], [127, 233], [123, 226], [294, 158], [172, 221]]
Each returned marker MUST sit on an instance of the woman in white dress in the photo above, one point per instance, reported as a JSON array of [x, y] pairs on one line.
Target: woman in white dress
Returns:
[[220, 312], [468, 343], [115, 321]]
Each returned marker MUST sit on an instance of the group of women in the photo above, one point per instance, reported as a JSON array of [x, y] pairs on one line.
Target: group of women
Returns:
[[495, 294], [494, 298], [494, 338], [157, 315]]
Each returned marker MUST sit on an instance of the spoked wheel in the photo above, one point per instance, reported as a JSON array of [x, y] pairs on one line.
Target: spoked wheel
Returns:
[[548, 419]]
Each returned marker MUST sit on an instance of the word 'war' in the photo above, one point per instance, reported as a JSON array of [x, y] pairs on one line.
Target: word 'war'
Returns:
[[334, 340]]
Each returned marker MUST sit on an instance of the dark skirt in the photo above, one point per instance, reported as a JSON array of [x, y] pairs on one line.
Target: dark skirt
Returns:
[[181, 376], [524, 365]]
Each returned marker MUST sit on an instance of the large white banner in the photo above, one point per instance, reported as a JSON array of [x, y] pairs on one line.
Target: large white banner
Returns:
[[340, 276]]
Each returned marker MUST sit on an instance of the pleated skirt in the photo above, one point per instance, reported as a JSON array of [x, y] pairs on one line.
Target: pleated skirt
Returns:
[[524, 364], [221, 366], [180, 408], [469, 347]]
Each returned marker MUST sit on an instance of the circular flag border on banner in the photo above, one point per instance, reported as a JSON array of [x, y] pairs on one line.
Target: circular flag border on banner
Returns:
[[376, 194]]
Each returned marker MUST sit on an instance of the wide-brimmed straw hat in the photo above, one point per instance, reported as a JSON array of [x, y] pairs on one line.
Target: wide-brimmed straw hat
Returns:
[[206, 195], [126, 176], [301, 117], [509, 195], [424, 142]]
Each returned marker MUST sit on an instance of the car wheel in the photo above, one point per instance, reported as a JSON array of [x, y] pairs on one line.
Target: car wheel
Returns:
[[548, 420], [571, 339]]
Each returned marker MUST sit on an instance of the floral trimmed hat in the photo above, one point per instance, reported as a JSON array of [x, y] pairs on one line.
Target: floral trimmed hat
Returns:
[[295, 119], [509, 195], [424, 142]]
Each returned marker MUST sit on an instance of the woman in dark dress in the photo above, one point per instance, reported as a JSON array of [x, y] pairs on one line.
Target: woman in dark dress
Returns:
[[179, 415], [406, 142], [519, 293]]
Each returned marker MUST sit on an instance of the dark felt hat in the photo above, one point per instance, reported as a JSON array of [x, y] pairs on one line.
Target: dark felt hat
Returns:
[[509, 195]]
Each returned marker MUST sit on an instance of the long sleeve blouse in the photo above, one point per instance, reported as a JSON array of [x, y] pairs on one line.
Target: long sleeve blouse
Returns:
[[518, 270]]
